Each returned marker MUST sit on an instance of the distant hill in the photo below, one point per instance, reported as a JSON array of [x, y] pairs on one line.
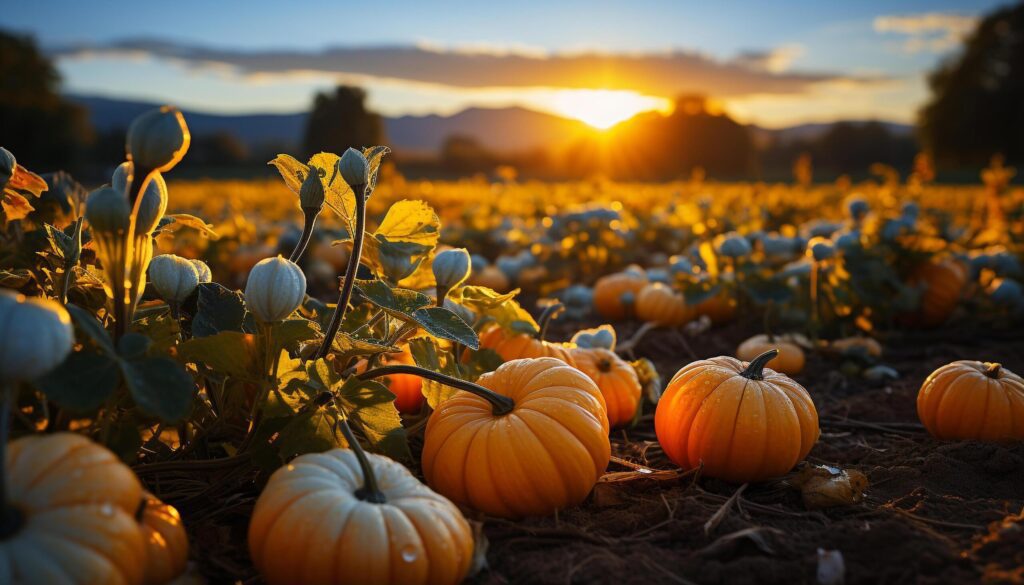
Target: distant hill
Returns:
[[501, 129], [810, 131], [498, 129]]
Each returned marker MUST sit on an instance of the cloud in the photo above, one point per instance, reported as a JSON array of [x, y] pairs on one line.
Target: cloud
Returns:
[[661, 74], [776, 60], [933, 32]]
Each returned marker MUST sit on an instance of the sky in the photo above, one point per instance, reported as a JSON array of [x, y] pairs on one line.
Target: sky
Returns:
[[771, 63]]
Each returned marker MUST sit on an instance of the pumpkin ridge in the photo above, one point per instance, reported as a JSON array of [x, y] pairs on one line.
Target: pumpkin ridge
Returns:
[[88, 545], [988, 396], [57, 543], [764, 406], [698, 408], [799, 421], [736, 416], [564, 491], [466, 479], [560, 424], [56, 463]]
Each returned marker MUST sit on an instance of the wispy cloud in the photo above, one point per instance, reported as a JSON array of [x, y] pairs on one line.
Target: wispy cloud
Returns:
[[933, 32], [661, 74], [776, 60]]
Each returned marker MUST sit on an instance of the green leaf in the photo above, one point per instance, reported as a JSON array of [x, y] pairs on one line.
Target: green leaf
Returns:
[[15, 279], [371, 405], [180, 220], [83, 382], [440, 322], [91, 326], [293, 332], [61, 244], [133, 346], [125, 438], [310, 432], [160, 386], [397, 302], [217, 309], [500, 308], [229, 352]]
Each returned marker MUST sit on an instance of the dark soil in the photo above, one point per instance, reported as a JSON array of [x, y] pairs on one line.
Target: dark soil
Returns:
[[934, 512]]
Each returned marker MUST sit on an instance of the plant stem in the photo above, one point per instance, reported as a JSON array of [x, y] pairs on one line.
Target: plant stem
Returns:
[[993, 370], [350, 272], [755, 369], [309, 215], [500, 404], [546, 317], [370, 492], [441, 292]]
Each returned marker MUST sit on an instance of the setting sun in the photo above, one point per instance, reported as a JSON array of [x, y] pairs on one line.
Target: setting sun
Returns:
[[604, 108]]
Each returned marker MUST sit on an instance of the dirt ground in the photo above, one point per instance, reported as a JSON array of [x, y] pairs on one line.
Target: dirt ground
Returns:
[[934, 512]]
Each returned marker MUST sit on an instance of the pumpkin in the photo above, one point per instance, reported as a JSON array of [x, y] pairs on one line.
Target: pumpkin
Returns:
[[609, 291], [522, 345], [616, 379], [313, 523], [406, 387], [720, 308], [789, 361], [742, 421], [165, 538], [972, 400], [74, 521], [543, 455], [943, 283], [657, 303], [852, 345]]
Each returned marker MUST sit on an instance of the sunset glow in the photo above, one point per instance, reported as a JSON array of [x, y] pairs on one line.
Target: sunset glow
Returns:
[[604, 108]]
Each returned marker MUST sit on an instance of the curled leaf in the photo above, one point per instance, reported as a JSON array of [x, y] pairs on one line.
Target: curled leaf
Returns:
[[822, 486]]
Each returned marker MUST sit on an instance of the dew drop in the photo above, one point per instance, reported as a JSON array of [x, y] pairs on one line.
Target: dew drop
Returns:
[[107, 510], [409, 554]]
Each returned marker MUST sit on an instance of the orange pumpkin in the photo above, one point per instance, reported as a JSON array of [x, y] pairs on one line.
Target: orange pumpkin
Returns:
[[76, 503], [791, 357], [720, 308], [522, 345], [943, 283], [166, 541], [314, 524], [972, 400], [406, 387], [545, 454], [659, 304], [742, 421], [850, 345], [616, 379], [609, 291]]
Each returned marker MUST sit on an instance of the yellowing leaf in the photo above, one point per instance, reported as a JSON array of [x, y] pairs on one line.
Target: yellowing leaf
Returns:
[[406, 236]]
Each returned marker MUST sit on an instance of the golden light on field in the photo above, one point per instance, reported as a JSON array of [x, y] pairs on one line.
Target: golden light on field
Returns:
[[604, 108]]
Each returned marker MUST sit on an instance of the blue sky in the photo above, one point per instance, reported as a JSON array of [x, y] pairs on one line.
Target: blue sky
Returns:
[[840, 44]]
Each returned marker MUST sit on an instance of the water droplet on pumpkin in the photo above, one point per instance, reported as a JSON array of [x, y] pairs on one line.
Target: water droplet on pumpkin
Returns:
[[409, 554], [107, 510]]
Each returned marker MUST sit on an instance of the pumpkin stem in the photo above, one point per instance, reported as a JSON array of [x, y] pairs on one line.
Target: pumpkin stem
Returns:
[[309, 215], [370, 492], [549, 313], [11, 518], [500, 404], [992, 371], [755, 369], [350, 272]]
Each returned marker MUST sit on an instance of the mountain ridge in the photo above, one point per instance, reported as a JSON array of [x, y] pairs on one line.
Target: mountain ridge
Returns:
[[510, 129]]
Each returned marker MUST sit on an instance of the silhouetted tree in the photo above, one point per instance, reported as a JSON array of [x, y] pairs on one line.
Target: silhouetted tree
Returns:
[[42, 130], [465, 154], [340, 120], [977, 107]]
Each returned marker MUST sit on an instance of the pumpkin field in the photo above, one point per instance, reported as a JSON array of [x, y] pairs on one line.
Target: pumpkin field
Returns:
[[330, 378]]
